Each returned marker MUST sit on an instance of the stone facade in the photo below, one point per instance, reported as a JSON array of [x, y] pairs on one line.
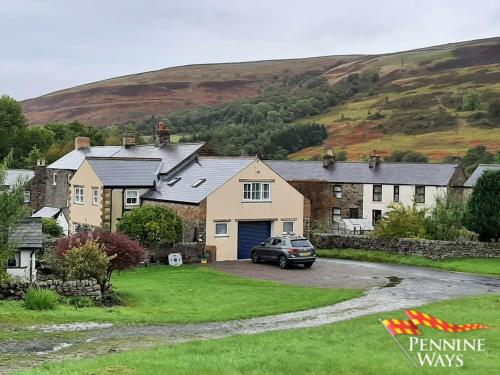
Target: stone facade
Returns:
[[37, 188], [57, 195], [15, 289], [427, 248]]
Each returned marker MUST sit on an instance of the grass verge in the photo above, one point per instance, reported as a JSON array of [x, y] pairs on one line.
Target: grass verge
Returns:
[[485, 266], [360, 346], [164, 294]]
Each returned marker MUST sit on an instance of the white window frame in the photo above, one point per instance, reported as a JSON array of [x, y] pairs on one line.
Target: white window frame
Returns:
[[222, 223], [287, 222], [334, 215], [256, 192], [95, 196], [337, 190], [420, 197], [79, 195], [27, 196], [136, 203], [54, 178], [69, 177], [75, 228]]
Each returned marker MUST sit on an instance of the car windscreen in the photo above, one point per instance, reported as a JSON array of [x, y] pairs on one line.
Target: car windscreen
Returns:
[[301, 243]]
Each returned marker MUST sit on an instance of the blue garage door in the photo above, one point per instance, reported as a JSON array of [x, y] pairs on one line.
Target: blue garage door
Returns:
[[250, 234]]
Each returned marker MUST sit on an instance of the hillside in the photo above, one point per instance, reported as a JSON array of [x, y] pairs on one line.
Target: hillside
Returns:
[[405, 100]]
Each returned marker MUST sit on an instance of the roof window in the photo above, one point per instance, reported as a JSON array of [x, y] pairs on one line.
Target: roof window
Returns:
[[199, 182], [173, 181]]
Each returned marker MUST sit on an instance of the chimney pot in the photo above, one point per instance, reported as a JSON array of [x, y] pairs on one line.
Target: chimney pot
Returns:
[[328, 159], [374, 159], [163, 133], [82, 143], [456, 160]]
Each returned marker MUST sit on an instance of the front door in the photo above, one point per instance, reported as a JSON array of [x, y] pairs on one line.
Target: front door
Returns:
[[376, 216]]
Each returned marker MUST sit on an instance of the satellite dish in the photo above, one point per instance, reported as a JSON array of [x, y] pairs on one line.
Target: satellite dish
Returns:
[[175, 259]]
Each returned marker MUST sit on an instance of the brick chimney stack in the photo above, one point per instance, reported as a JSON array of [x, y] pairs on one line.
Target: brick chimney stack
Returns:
[[328, 159], [82, 143], [163, 133], [374, 159]]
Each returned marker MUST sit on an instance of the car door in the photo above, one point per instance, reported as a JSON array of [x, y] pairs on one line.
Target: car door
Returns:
[[265, 249], [276, 248]]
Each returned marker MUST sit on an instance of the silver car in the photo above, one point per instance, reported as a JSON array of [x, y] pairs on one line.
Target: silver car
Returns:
[[285, 250]]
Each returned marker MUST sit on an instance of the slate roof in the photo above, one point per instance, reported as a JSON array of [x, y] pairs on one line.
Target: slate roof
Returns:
[[359, 172], [115, 172], [47, 212], [215, 170], [27, 234], [171, 154], [481, 168], [13, 176]]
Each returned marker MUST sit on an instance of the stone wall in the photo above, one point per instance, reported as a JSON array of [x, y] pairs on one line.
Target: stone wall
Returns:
[[58, 195], [426, 248], [15, 289], [37, 187]]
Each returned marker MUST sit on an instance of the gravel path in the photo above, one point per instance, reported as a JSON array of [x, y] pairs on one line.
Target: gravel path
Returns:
[[389, 287]]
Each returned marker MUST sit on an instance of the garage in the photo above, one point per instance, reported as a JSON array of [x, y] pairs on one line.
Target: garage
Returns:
[[250, 234]]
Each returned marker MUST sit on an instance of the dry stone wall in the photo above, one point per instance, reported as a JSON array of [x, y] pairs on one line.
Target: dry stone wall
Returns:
[[15, 289]]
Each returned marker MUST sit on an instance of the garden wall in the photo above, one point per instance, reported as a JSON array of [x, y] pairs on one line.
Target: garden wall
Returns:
[[15, 289], [427, 248]]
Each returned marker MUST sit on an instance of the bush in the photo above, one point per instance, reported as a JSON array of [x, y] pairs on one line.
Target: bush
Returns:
[[402, 222], [110, 298], [445, 218], [50, 227], [81, 301], [470, 101], [152, 226], [88, 260], [40, 299]]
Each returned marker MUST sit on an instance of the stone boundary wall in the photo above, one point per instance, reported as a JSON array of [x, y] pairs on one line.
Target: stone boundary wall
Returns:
[[15, 289], [427, 248]]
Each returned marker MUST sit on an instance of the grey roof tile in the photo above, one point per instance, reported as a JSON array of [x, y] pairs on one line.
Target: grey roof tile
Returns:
[[47, 212], [13, 176], [215, 170], [359, 172], [27, 234], [72, 160], [125, 172], [478, 172]]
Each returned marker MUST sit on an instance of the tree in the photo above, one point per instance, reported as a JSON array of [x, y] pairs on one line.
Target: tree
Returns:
[[445, 219], [402, 222], [407, 156], [474, 157], [483, 208], [12, 124], [12, 209], [470, 101], [153, 226], [494, 109], [51, 228]]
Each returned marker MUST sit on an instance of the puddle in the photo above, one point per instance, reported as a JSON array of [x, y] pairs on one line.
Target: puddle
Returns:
[[393, 281], [71, 327], [56, 348]]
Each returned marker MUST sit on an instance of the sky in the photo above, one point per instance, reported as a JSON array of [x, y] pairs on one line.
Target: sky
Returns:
[[48, 45]]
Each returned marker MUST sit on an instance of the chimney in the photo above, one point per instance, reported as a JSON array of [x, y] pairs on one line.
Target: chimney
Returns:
[[40, 162], [456, 160], [328, 159], [374, 159], [82, 143], [128, 140], [163, 133]]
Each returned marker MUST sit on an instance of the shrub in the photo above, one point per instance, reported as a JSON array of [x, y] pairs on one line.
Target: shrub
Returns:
[[470, 101], [445, 218], [110, 298], [152, 226], [81, 301], [50, 227], [88, 260], [40, 299], [402, 222]]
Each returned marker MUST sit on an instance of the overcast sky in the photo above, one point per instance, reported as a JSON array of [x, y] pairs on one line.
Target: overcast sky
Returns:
[[48, 45]]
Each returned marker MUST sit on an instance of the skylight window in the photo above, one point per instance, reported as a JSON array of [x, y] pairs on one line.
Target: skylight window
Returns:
[[173, 181], [199, 182]]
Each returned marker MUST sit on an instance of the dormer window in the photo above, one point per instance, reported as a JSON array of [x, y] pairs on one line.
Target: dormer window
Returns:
[[173, 181], [199, 182]]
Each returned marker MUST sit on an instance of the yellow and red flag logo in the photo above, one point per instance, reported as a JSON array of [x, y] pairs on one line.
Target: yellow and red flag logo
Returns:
[[416, 318]]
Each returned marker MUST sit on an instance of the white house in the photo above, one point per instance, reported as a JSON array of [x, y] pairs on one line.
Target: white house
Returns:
[[28, 239], [54, 213]]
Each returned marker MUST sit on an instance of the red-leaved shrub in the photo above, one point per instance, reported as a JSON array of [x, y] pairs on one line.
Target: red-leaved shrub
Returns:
[[128, 252]]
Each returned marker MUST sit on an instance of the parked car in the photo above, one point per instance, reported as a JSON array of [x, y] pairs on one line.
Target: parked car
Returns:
[[285, 250]]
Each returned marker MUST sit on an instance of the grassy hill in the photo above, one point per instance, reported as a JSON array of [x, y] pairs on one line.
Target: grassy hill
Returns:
[[406, 100]]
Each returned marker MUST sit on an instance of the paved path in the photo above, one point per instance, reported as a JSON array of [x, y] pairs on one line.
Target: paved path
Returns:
[[396, 287]]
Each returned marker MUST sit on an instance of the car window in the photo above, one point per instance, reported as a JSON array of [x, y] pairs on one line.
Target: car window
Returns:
[[301, 243], [268, 242], [277, 242]]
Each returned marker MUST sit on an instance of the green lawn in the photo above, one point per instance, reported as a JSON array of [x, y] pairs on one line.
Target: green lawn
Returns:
[[162, 294], [356, 347], [486, 266]]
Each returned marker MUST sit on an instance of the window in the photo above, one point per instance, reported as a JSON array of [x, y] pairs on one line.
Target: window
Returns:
[[221, 229], [277, 242], [15, 261], [27, 196], [199, 182], [69, 177], [353, 213], [173, 181], [132, 197], [337, 190], [95, 196], [78, 195], [377, 193], [54, 179], [256, 191], [376, 216], [288, 227], [301, 243], [76, 228], [395, 197], [420, 194], [336, 215]]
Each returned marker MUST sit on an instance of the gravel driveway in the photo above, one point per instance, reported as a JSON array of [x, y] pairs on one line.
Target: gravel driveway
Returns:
[[388, 287]]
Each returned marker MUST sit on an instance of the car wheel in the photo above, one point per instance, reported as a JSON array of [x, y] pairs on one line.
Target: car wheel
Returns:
[[282, 262], [308, 265], [255, 257]]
